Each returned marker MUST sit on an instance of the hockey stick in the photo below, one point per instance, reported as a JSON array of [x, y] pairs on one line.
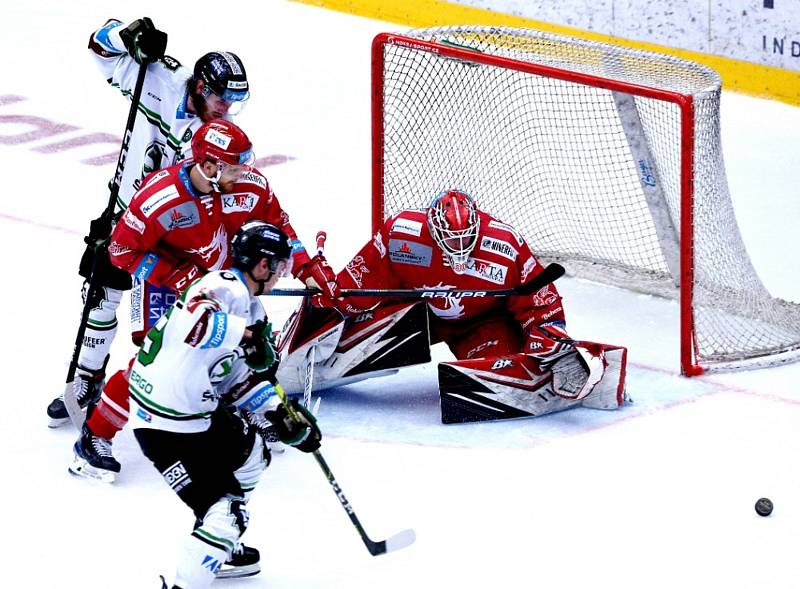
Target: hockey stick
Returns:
[[70, 400], [311, 355], [395, 542], [550, 273]]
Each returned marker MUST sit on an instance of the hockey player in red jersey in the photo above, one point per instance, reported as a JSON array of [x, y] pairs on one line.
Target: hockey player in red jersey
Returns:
[[513, 354], [177, 228], [175, 101]]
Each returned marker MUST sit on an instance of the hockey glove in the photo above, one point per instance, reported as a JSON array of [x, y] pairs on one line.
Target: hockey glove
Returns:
[[100, 230], [182, 275], [318, 274], [300, 432], [259, 351], [143, 41]]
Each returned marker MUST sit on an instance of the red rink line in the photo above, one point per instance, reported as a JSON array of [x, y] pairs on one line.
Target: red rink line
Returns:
[[717, 387], [38, 224]]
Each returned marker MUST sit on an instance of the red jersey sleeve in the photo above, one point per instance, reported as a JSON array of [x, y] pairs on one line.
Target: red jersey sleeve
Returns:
[[540, 308], [134, 241], [369, 268]]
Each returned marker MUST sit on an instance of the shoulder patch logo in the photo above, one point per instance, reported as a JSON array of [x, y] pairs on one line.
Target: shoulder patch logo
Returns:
[[407, 226], [402, 251], [499, 247], [159, 198], [133, 222], [179, 217]]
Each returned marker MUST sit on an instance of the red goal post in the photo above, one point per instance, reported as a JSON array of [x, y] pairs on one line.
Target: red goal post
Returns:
[[607, 159]]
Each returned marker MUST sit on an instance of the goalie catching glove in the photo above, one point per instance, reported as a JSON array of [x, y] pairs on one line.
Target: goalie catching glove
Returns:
[[144, 41], [548, 342], [298, 429]]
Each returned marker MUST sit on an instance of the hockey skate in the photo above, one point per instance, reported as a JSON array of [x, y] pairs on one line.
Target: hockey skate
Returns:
[[243, 562], [87, 386], [93, 458]]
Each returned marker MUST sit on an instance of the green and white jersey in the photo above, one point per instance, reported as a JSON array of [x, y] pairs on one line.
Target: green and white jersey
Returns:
[[163, 130], [192, 355]]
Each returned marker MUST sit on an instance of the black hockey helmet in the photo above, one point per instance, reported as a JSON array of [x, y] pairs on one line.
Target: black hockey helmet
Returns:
[[223, 74], [256, 240]]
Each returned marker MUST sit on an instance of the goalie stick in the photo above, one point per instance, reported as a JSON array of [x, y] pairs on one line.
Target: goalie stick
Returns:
[[311, 355], [395, 542], [551, 273], [70, 400]]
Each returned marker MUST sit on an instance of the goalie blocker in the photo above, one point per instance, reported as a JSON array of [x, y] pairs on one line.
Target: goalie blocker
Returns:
[[506, 387]]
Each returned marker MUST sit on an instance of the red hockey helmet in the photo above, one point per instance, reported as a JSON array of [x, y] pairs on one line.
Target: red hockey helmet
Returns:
[[454, 223], [222, 141]]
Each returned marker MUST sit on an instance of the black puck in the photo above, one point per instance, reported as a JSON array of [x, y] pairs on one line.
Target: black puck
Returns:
[[763, 507]]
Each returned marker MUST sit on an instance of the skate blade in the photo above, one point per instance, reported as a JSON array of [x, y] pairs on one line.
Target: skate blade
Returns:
[[55, 422], [237, 572], [81, 468]]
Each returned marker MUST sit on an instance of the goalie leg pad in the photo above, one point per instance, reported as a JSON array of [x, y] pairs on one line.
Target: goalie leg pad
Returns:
[[497, 388], [374, 343], [609, 390]]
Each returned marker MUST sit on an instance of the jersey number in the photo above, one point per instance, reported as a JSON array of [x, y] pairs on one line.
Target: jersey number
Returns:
[[153, 340]]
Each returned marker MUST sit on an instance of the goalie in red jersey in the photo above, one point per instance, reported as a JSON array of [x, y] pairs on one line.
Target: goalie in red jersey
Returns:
[[513, 355]]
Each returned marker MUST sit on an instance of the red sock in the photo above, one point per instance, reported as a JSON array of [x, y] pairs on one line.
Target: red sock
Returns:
[[111, 413]]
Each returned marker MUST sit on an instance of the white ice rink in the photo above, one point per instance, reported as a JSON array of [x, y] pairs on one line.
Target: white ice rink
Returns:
[[658, 494]]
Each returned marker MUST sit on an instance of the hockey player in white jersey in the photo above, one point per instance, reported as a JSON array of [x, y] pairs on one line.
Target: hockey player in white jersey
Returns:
[[199, 384], [174, 103]]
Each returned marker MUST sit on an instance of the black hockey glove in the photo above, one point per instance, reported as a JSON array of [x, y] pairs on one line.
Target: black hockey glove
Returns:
[[259, 351], [100, 230], [301, 432], [144, 41]]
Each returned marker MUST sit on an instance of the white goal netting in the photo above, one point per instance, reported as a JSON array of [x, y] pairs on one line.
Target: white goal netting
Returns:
[[586, 156]]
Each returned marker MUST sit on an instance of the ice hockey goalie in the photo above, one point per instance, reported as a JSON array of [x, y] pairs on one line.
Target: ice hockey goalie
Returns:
[[513, 355]]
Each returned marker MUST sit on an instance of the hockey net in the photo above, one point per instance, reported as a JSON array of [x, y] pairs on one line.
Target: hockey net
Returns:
[[607, 159]]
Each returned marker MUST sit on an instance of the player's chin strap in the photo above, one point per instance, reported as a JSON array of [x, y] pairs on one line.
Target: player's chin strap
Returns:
[[213, 181], [260, 283]]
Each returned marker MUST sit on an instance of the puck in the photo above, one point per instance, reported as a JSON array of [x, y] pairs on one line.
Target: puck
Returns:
[[763, 507]]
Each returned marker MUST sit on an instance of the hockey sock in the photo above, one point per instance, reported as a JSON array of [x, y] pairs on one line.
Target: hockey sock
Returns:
[[198, 563], [111, 413], [101, 327]]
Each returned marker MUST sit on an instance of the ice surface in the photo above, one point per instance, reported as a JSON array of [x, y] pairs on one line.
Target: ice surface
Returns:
[[659, 494]]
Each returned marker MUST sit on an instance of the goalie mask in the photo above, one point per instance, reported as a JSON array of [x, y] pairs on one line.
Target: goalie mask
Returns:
[[257, 240], [453, 222], [226, 144]]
